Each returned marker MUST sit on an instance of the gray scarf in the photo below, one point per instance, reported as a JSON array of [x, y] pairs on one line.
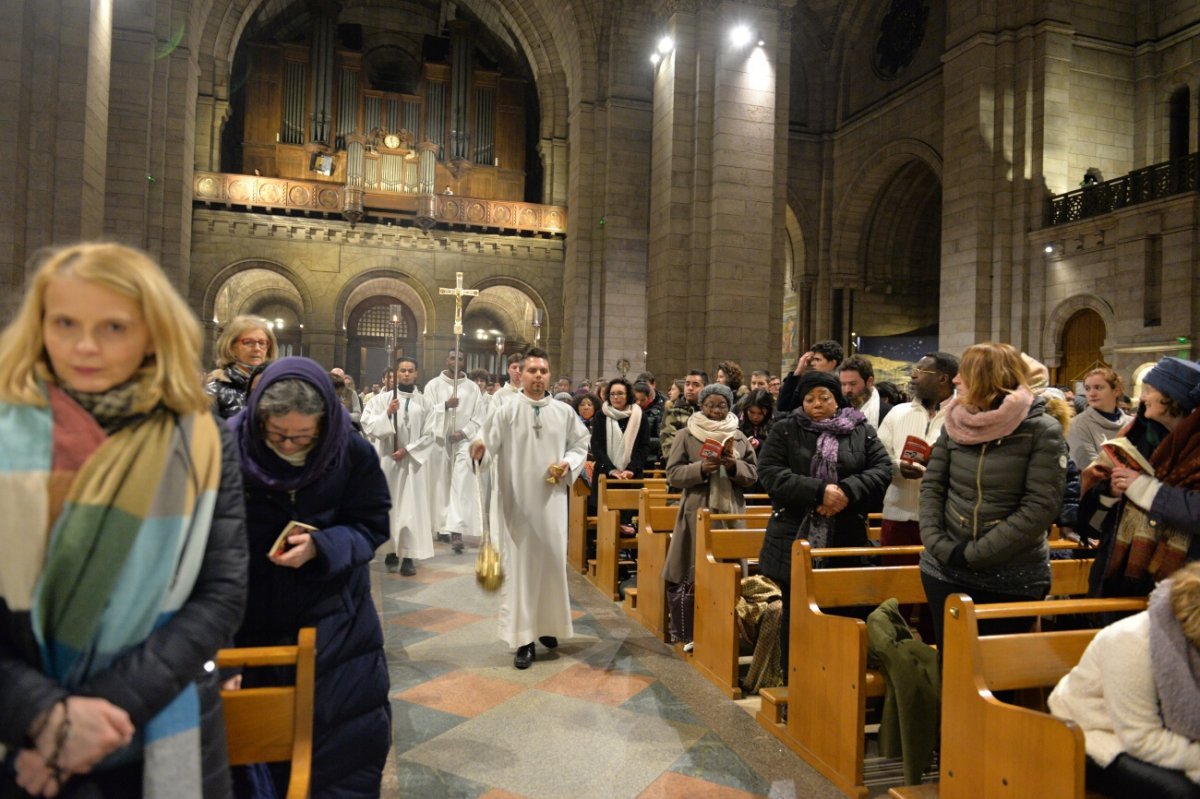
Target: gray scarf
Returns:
[[1176, 666]]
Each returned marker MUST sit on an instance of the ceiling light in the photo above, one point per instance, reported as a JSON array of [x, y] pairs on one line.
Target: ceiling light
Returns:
[[741, 36], [655, 58], [666, 44]]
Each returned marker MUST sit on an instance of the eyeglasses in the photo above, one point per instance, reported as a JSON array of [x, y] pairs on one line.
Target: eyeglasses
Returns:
[[917, 371], [255, 343], [280, 438]]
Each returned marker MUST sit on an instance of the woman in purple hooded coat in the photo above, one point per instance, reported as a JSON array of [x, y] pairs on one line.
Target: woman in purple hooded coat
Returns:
[[302, 463]]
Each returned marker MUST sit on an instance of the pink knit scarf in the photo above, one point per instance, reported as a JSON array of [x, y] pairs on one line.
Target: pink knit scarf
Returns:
[[967, 425]]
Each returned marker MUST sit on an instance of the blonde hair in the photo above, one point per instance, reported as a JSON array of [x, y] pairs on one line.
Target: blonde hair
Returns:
[[1108, 375], [239, 326], [1061, 411], [1185, 600], [991, 370], [171, 376]]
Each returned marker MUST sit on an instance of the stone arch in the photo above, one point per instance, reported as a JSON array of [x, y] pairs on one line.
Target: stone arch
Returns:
[[853, 212], [502, 297], [386, 283], [1052, 330], [223, 276]]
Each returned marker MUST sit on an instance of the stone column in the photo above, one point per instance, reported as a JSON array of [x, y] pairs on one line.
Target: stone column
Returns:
[[554, 153]]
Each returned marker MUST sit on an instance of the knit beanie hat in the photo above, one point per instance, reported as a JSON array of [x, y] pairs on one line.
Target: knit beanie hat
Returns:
[[813, 379], [717, 388], [1178, 379]]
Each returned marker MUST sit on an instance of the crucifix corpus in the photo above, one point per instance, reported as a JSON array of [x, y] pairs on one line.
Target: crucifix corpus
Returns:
[[458, 292]]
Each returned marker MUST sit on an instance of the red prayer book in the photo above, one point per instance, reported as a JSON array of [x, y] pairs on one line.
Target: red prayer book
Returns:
[[712, 449], [916, 450]]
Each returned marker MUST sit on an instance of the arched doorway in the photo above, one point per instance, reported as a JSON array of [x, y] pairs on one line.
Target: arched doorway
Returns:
[[501, 310], [378, 329], [1082, 337]]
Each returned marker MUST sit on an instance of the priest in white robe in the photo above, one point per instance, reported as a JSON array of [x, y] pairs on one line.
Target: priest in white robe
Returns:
[[539, 446], [454, 420], [505, 394], [396, 421]]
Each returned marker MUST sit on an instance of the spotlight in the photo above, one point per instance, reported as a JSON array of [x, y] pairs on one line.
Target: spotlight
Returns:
[[1049, 249], [666, 44], [762, 43], [655, 58], [741, 36]]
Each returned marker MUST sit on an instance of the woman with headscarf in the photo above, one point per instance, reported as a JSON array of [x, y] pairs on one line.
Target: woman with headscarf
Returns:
[[1151, 526], [124, 566], [621, 434], [246, 346], [713, 464], [303, 464], [1136, 694], [993, 486], [823, 467]]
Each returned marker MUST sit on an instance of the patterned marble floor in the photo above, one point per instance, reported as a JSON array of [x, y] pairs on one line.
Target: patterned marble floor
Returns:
[[611, 714]]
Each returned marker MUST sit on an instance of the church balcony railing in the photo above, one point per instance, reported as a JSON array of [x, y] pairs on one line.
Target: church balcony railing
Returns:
[[323, 199], [1139, 186]]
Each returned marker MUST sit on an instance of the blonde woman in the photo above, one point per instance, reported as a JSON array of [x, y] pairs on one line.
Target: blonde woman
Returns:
[[1136, 694], [1102, 419], [124, 537], [992, 488], [246, 346]]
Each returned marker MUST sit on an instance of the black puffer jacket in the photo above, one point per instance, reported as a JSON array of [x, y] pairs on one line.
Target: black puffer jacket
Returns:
[[996, 499], [148, 677], [230, 389], [864, 472]]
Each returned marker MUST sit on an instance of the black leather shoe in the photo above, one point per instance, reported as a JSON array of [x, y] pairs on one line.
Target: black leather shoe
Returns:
[[392, 561], [525, 656], [456, 543], [407, 567], [549, 641]]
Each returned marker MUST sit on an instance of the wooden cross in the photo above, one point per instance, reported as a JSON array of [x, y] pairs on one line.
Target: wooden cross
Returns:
[[459, 292]]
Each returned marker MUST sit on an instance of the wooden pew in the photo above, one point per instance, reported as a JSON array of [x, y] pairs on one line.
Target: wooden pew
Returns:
[[614, 496], [1028, 752], [719, 554], [828, 679], [579, 524], [273, 724]]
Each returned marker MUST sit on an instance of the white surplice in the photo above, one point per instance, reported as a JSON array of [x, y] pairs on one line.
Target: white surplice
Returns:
[[454, 493], [408, 480], [524, 437], [504, 395]]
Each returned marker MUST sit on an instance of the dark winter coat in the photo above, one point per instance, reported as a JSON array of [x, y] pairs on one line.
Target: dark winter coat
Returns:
[[654, 419], [230, 389], [148, 677], [864, 472], [352, 717], [986, 508], [637, 461]]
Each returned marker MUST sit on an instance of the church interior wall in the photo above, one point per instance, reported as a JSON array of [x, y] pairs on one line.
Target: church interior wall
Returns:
[[1102, 98]]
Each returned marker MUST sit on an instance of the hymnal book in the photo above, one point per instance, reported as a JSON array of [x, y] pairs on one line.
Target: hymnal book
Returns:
[[281, 544], [915, 450], [711, 449], [1122, 452]]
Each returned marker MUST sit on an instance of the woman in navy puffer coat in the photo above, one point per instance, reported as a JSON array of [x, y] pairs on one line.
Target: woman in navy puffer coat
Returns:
[[301, 462]]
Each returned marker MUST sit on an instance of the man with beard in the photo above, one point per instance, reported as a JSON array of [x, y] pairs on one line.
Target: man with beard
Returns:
[[396, 422], [858, 385], [538, 446]]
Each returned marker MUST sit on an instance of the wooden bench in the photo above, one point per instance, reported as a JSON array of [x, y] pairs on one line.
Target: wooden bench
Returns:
[[613, 497], [273, 724], [579, 525], [828, 679], [719, 556], [1028, 752]]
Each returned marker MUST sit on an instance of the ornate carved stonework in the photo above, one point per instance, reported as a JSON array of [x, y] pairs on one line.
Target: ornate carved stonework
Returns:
[[901, 32]]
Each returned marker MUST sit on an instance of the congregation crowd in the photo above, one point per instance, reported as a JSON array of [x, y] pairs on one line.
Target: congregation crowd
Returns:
[[156, 516]]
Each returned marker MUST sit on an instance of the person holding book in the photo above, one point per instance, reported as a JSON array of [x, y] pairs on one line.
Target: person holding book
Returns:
[[714, 464], [823, 467], [303, 463], [1153, 531], [992, 488], [124, 566], [1102, 419]]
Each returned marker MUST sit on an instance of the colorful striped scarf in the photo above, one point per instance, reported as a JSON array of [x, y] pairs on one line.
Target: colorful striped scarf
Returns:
[[112, 535]]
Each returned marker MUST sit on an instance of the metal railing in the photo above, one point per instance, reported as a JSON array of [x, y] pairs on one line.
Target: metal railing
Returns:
[[1139, 186]]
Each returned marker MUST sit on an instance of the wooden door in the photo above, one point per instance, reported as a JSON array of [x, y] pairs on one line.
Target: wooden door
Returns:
[[1082, 338]]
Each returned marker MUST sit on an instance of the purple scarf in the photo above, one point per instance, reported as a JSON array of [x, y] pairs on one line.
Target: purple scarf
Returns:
[[261, 466], [1175, 663], [824, 463]]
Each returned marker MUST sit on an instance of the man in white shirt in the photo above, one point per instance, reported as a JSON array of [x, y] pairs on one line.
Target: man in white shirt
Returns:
[[857, 377]]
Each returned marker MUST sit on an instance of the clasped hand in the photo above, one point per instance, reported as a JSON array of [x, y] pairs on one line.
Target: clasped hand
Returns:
[[835, 501], [97, 729]]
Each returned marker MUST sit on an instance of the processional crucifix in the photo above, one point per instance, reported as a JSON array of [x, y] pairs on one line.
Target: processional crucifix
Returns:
[[458, 292]]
